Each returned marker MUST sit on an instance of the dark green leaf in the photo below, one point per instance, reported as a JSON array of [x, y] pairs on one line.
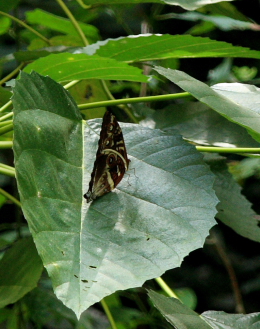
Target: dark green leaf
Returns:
[[186, 4], [60, 24], [233, 209], [179, 315], [20, 270], [152, 47]]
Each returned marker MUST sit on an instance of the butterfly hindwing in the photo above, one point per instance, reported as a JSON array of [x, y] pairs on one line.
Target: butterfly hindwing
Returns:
[[111, 159]]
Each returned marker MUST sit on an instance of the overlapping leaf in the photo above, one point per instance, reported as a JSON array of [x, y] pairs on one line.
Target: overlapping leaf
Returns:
[[147, 47], [161, 210], [241, 111], [65, 67]]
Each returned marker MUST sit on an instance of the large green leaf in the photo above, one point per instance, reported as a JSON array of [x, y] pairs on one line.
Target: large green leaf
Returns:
[[136, 48], [20, 270], [197, 122], [65, 67], [162, 210], [225, 100]]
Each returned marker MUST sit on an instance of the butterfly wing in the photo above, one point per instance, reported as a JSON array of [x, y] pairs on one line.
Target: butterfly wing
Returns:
[[111, 159]]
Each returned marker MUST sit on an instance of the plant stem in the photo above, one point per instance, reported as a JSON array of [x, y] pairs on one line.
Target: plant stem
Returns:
[[26, 26], [4, 107], [133, 100], [7, 116], [6, 144], [6, 129], [232, 275], [74, 22], [108, 313], [166, 288], [228, 149], [13, 73], [7, 170], [10, 197]]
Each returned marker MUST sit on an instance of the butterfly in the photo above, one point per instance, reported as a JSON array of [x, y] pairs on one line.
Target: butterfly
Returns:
[[111, 159]]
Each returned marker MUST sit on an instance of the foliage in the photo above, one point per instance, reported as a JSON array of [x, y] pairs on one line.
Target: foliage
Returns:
[[177, 183]]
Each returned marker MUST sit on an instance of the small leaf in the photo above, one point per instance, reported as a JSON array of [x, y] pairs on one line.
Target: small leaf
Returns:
[[239, 110], [65, 67], [176, 313], [23, 261], [220, 320]]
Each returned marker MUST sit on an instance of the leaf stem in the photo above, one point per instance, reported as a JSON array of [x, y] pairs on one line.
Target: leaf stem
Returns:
[[4, 107], [10, 197], [228, 149], [25, 26], [6, 129], [166, 288], [108, 313], [74, 22], [7, 170], [133, 100], [7, 116], [6, 144], [13, 73], [5, 123]]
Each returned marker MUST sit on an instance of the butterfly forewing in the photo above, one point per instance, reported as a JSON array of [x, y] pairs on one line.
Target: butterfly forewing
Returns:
[[111, 159]]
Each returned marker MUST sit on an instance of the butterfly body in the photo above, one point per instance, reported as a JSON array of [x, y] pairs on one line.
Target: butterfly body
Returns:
[[111, 159]]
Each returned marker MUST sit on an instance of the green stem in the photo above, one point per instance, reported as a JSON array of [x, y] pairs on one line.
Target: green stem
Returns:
[[74, 22], [71, 84], [4, 107], [133, 100], [166, 288], [13, 73], [6, 129], [228, 149], [10, 197], [6, 144], [108, 314], [25, 26], [7, 170], [6, 116], [5, 123]]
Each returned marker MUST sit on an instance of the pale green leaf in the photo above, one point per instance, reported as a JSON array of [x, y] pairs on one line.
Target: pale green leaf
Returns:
[[198, 123], [224, 100], [160, 212], [222, 320]]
